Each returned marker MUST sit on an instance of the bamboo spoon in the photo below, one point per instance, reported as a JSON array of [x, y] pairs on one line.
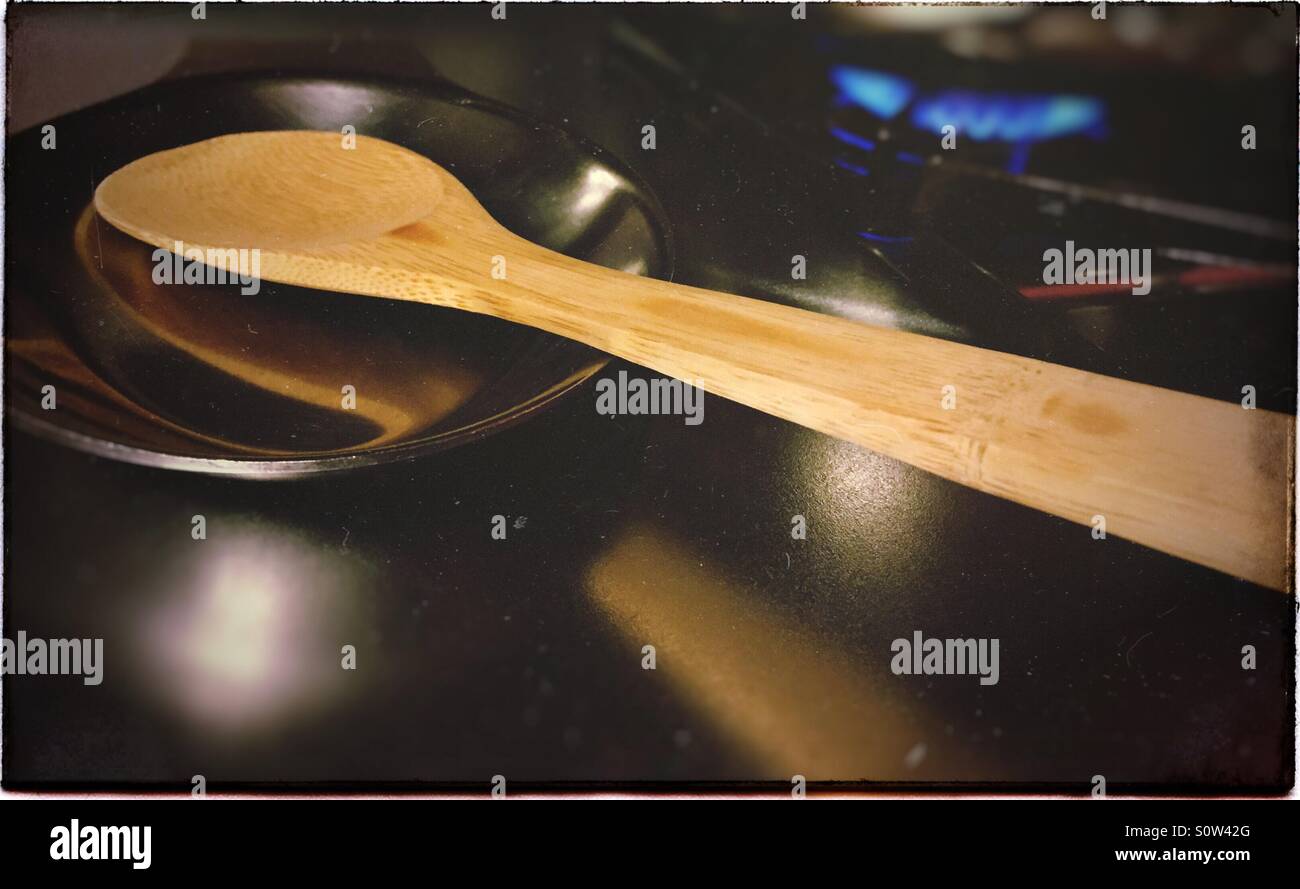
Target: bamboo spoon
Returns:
[[1201, 479]]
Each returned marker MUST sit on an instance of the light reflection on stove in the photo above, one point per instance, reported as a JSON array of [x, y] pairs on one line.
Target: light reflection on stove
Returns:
[[793, 701], [872, 505], [852, 485], [252, 636]]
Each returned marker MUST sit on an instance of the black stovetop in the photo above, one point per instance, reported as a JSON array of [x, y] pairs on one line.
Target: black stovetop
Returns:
[[523, 657]]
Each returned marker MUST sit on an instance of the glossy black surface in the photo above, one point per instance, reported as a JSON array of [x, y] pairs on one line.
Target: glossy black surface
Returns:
[[523, 657]]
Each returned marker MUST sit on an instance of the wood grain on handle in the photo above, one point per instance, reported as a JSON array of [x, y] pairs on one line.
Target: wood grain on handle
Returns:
[[1204, 480], [1197, 478]]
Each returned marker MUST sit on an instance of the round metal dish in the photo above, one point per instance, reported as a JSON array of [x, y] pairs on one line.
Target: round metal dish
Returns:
[[206, 378]]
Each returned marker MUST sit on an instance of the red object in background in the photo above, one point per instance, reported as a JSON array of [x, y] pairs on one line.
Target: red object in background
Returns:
[[1201, 277]]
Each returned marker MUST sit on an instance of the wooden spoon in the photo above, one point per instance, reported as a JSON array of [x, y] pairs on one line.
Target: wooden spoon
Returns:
[[1201, 479]]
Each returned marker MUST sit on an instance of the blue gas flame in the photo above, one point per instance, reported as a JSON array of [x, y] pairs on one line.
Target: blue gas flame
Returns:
[[884, 95], [1008, 118], [1019, 120]]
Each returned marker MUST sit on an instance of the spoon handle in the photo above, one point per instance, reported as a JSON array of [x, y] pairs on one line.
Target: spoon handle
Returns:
[[1201, 479]]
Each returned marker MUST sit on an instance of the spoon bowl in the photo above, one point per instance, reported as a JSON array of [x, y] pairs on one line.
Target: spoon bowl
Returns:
[[200, 193]]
